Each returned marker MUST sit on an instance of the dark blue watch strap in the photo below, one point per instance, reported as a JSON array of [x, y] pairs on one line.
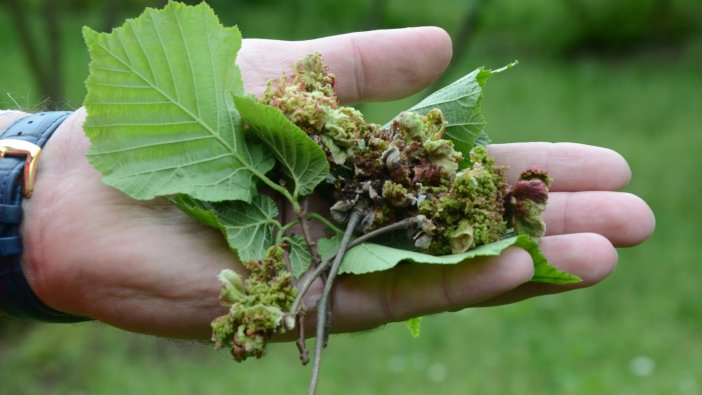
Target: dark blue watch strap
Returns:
[[17, 300]]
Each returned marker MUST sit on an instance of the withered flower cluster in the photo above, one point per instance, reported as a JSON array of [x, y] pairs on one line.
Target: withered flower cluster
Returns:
[[408, 169], [257, 305]]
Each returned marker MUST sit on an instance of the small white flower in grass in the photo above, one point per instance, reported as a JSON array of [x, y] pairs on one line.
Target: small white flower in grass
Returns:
[[397, 363], [419, 361], [642, 366], [688, 384], [437, 372]]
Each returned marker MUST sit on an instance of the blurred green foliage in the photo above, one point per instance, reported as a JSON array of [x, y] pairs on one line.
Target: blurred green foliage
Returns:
[[620, 74], [574, 26], [557, 29]]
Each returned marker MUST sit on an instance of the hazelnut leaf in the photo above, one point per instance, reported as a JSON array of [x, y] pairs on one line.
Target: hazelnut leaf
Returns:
[[460, 104], [160, 116], [300, 256], [370, 257], [301, 159], [249, 228]]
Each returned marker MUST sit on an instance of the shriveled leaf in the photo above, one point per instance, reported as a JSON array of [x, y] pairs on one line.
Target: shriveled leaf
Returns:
[[160, 116], [302, 160], [250, 228], [369, 257], [300, 257], [460, 103]]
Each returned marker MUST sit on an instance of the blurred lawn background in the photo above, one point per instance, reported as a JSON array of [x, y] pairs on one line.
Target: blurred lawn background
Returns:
[[625, 75]]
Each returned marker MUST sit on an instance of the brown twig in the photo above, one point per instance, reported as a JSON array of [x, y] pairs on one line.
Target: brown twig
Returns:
[[309, 280], [404, 224], [297, 304], [315, 260], [295, 310], [324, 302], [368, 236], [304, 355]]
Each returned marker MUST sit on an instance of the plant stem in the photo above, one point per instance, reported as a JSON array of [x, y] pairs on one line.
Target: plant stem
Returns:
[[405, 223], [284, 228], [368, 236], [276, 187], [324, 221], [304, 355], [287, 226], [311, 244], [315, 260], [297, 304], [324, 303]]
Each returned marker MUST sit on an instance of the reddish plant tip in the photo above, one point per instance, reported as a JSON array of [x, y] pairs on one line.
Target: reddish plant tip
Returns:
[[533, 189], [536, 173]]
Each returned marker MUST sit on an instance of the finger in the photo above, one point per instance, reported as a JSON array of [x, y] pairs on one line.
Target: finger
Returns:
[[573, 167], [623, 218], [374, 65], [587, 255], [366, 301]]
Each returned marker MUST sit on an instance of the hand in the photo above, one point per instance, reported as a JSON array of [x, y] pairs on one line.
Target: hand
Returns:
[[146, 267]]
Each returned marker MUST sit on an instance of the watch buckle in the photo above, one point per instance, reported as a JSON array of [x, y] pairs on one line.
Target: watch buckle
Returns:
[[12, 147]]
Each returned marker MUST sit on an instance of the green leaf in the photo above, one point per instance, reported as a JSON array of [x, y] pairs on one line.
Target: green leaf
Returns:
[[414, 325], [327, 246], [250, 228], [160, 116], [300, 257], [460, 102], [198, 209], [544, 272], [369, 257], [302, 160], [482, 140]]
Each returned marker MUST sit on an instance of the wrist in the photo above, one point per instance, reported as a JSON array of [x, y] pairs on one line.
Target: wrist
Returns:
[[8, 117], [22, 146], [46, 273]]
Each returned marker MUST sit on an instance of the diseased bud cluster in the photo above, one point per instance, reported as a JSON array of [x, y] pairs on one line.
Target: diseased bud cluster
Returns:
[[409, 169], [257, 306], [470, 212], [527, 200], [405, 170]]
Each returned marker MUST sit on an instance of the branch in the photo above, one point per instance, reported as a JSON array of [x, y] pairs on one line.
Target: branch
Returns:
[[297, 304], [324, 302], [404, 224], [309, 280], [304, 355]]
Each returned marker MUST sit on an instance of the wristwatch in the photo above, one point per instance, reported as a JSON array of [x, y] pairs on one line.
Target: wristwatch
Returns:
[[20, 149]]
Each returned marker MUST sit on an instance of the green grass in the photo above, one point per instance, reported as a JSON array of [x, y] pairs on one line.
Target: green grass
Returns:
[[637, 333]]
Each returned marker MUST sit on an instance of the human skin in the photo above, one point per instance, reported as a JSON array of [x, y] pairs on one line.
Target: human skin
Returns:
[[144, 266]]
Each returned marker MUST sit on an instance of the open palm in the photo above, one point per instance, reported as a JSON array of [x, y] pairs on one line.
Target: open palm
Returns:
[[146, 267]]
